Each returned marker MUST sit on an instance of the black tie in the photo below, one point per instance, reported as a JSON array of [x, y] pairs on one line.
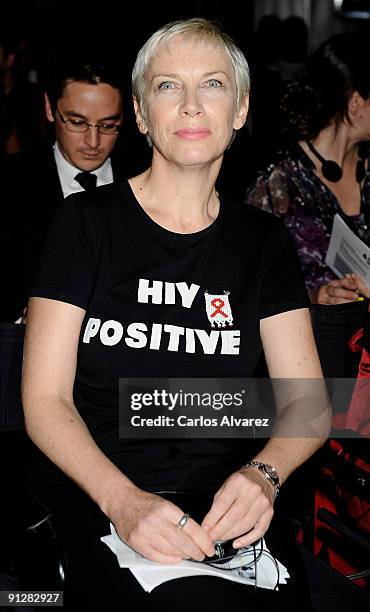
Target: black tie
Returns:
[[87, 180]]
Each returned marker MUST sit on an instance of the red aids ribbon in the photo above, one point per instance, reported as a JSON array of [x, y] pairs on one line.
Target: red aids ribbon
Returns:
[[217, 303]]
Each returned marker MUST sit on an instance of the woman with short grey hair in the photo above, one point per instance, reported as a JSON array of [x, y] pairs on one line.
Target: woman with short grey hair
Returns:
[[161, 277]]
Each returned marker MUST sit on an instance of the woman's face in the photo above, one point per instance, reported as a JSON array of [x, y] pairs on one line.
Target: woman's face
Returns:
[[190, 100], [364, 120]]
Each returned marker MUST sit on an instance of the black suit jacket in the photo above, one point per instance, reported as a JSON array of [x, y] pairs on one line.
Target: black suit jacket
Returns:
[[30, 195]]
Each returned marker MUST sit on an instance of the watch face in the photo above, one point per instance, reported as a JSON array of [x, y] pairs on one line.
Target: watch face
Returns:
[[272, 473]]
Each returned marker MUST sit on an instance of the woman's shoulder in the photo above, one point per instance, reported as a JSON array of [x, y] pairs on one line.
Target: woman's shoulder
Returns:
[[254, 231], [288, 177], [103, 198], [243, 216], [285, 162], [93, 208]]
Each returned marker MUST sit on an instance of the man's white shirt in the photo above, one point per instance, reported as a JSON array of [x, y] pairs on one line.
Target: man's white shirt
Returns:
[[67, 173]]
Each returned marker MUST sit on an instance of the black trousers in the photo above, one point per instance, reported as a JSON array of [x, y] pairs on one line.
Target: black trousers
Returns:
[[94, 580]]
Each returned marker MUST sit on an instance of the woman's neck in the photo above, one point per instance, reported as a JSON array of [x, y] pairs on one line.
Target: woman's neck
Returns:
[[337, 144], [181, 199]]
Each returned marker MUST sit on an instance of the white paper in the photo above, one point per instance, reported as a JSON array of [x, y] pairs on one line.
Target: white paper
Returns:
[[347, 253], [151, 575]]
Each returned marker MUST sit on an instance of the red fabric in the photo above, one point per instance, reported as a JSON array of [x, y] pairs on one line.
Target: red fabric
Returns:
[[334, 498], [358, 415], [354, 343], [336, 560], [358, 509]]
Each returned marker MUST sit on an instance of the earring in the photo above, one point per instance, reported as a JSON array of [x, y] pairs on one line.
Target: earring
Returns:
[[149, 140]]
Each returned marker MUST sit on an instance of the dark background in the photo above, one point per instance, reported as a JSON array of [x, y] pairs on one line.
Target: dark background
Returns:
[[129, 24], [39, 25]]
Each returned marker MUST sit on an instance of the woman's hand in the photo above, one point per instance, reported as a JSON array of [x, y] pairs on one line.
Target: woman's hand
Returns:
[[148, 523], [362, 288], [243, 505], [338, 291]]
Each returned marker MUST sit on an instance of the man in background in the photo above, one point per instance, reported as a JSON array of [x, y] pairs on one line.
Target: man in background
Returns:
[[83, 100], [83, 106]]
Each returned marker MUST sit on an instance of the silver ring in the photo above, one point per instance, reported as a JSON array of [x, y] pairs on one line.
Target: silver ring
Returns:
[[182, 522]]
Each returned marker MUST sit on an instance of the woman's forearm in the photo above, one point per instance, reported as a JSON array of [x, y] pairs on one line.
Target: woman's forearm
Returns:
[[301, 402], [302, 423], [56, 427]]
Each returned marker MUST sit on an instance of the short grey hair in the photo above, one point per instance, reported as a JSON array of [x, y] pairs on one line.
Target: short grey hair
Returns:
[[204, 31]]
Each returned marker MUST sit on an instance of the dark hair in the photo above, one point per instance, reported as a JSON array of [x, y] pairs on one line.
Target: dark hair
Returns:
[[93, 66], [332, 73]]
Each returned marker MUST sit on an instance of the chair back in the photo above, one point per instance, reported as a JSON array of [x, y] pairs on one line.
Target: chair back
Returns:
[[11, 355]]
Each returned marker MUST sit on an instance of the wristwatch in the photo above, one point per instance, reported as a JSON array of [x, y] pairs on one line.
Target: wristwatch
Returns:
[[268, 471]]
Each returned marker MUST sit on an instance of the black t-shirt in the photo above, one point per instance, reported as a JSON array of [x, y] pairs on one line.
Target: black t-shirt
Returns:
[[161, 304]]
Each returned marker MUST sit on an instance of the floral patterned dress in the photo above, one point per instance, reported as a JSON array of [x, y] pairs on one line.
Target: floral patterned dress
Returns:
[[291, 189]]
